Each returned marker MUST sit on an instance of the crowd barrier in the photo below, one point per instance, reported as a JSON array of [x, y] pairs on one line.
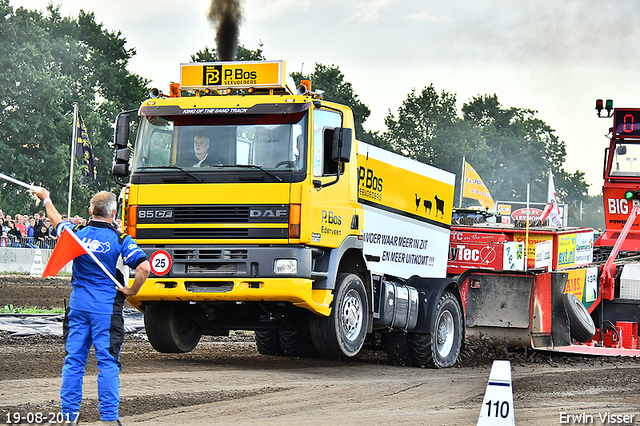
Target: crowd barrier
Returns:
[[27, 242], [20, 260]]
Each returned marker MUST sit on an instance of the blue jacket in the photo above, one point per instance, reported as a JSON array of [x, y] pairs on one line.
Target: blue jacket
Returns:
[[93, 290]]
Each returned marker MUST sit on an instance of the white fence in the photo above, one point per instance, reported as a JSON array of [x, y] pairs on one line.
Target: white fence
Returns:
[[21, 260]]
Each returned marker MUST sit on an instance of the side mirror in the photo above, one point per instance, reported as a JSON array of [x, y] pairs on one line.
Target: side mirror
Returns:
[[123, 155], [621, 150], [122, 131], [341, 146], [120, 169], [121, 163]]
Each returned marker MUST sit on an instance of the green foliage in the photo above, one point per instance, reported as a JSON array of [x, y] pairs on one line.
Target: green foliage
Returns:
[[48, 63], [509, 148], [523, 150], [10, 309], [428, 129], [592, 213]]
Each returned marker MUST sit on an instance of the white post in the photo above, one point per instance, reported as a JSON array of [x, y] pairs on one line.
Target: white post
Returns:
[[74, 137], [526, 238], [462, 179]]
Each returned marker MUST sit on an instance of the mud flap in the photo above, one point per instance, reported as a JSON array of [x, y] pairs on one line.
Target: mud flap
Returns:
[[549, 322], [560, 328]]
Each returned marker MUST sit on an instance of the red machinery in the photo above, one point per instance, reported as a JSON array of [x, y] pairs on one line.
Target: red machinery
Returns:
[[555, 288]]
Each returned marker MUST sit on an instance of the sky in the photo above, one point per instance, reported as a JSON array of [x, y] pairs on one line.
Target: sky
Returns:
[[554, 57]]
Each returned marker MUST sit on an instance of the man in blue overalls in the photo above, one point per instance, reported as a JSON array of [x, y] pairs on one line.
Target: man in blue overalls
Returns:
[[95, 306]]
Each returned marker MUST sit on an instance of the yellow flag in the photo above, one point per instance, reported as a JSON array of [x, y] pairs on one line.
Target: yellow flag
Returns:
[[473, 187]]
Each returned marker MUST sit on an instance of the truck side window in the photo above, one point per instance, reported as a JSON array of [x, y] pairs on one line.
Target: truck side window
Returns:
[[322, 121], [330, 167], [625, 160]]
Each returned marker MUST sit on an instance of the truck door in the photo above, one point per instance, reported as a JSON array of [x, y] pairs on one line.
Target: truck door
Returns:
[[330, 206]]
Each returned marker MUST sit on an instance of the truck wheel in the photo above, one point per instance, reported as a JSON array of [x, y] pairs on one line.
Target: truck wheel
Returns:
[[441, 348], [580, 322], [297, 343], [268, 342], [342, 333], [169, 329], [397, 347]]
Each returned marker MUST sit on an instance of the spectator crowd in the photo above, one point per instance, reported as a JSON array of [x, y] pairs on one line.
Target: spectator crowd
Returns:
[[30, 231]]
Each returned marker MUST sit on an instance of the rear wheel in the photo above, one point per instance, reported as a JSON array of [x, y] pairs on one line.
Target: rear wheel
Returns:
[[169, 329], [268, 342], [342, 333], [580, 321], [397, 347], [296, 343], [441, 348]]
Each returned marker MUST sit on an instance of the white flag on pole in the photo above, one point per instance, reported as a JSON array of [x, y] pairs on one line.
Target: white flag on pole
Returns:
[[551, 210]]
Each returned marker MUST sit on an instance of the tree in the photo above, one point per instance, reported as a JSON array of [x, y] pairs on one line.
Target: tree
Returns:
[[428, 129], [509, 148], [48, 63], [592, 213], [336, 89], [523, 149]]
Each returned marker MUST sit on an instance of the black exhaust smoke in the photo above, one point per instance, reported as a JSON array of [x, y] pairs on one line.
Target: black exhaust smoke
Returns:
[[226, 16]]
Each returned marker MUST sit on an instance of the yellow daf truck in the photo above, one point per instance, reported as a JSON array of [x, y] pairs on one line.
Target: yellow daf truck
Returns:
[[259, 210]]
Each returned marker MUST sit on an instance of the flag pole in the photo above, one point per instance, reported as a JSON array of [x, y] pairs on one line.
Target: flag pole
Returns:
[[462, 179], [74, 138]]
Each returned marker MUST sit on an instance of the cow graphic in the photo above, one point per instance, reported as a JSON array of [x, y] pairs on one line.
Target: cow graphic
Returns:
[[427, 206], [439, 206]]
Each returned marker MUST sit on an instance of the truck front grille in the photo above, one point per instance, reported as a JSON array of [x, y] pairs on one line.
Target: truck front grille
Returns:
[[211, 214], [209, 254]]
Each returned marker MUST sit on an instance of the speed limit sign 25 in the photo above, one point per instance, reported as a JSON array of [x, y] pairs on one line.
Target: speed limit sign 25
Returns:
[[160, 262]]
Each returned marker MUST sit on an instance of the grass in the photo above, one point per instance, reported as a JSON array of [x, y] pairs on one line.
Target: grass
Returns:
[[10, 309]]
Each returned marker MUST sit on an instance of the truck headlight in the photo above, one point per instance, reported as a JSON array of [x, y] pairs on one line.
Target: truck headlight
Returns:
[[285, 266]]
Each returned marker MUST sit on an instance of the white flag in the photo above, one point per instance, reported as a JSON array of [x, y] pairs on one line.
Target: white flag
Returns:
[[551, 209]]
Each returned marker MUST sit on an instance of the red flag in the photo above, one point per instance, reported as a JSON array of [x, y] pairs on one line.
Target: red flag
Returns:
[[67, 249], [545, 212]]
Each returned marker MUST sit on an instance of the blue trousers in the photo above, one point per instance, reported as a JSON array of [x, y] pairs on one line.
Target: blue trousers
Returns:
[[106, 332]]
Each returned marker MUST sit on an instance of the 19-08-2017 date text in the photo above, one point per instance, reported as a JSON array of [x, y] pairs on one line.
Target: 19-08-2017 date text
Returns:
[[35, 418]]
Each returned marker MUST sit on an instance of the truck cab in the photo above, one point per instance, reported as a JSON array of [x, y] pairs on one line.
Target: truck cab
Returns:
[[621, 190]]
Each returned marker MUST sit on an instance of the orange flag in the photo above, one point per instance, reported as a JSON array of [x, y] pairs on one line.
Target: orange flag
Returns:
[[67, 249]]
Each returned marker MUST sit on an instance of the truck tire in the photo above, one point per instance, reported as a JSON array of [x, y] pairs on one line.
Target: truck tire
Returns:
[[580, 321], [168, 329], [268, 342], [397, 347], [441, 348], [342, 333], [297, 343]]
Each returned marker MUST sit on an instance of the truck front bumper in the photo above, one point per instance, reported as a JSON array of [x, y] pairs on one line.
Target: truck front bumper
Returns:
[[297, 291]]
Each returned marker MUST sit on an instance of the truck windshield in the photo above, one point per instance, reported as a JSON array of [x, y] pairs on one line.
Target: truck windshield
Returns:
[[200, 143], [626, 159]]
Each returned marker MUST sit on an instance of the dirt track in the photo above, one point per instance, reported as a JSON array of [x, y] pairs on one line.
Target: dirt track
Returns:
[[225, 381]]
